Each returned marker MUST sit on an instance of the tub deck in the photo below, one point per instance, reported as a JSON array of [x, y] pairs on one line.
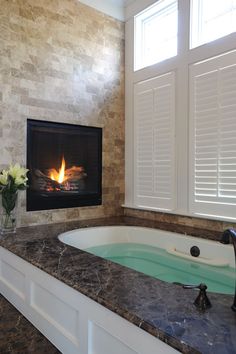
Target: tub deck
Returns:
[[163, 310]]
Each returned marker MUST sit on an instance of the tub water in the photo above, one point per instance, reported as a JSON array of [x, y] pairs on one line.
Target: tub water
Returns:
[[160, 254]]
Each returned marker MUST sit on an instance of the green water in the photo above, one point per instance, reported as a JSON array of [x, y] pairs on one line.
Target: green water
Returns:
[[159, 264]]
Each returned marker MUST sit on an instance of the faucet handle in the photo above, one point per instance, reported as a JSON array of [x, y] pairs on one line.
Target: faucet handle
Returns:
[[225, 238], [201, 302]]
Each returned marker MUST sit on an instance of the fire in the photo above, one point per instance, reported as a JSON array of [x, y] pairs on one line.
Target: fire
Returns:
[[64, 179], [59, 176]]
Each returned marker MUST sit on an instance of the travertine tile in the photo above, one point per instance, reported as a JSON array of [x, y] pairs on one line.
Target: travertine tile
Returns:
[[62, 61], [213, 225]]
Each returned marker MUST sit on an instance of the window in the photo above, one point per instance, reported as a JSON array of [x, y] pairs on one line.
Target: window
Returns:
[[156, 33], [180, 113], [212, 19], [213, 131], [154, 145]]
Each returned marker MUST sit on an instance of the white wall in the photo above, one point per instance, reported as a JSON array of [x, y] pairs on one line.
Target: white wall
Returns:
[[114, 8], [120, 9]]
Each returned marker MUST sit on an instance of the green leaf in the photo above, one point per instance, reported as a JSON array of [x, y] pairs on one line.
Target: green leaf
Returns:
[[21, 187], [8, 200]]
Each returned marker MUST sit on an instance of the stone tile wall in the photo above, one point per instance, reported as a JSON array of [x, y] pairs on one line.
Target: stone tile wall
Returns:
[[199, 223], [62, 61]]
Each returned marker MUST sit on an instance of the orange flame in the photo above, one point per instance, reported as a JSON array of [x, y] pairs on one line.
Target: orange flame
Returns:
[[62, 171], [59, 176]]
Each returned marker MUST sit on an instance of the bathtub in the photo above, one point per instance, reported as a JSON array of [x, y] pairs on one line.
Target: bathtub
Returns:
[[58, 288], [130, 246], [211, 252]]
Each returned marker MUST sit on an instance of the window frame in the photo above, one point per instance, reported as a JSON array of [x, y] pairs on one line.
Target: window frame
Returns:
[[196, 24], [155, 10], [154, 88], [203, 204], [180, 64]]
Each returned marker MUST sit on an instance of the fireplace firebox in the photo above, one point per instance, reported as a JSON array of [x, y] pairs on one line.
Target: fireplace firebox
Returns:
[[65, 165]]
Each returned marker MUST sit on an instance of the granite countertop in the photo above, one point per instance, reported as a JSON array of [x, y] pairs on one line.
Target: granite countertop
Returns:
[[162, 309]]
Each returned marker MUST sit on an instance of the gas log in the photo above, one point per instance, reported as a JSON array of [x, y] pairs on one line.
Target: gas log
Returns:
[[72, 180]]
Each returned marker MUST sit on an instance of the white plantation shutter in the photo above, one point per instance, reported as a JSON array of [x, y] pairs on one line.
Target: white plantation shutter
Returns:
[[213, 136], [154, 138]]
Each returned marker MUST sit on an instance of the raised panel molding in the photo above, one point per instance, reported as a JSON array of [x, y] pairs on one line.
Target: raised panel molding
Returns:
[[57, 312], [13, 278], [101, 342]]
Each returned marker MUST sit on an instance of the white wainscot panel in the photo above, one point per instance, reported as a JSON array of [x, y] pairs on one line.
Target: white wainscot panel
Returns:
[[71, 321], [100, 342], [60, 314], [13, 278]]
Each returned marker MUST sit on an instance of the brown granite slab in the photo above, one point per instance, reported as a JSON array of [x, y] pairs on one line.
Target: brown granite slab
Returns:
[[162, 309], [18, 335]]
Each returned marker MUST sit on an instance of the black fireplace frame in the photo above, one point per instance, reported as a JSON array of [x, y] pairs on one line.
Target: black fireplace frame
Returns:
[[35, 202]]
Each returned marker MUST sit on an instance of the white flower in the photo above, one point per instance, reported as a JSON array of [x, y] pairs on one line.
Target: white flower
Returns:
[[4, 177], [12, 180], [18, 173], [20, 180]]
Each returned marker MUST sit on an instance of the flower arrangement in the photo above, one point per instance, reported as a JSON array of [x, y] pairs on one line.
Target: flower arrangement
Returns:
[[11, 180]]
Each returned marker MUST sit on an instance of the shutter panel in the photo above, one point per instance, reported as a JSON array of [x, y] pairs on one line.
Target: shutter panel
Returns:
[[154, 137], [227, 146], [213, 136], [145, 143]]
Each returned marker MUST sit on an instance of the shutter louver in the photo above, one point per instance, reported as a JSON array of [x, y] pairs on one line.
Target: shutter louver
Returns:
[[213, 136], [227, 153], [154, 142], [144, 148]]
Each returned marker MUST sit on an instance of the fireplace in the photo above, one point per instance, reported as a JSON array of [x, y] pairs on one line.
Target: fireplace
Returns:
[[65, 165]]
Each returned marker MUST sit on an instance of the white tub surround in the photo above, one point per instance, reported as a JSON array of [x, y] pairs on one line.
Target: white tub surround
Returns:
[[74, 323]]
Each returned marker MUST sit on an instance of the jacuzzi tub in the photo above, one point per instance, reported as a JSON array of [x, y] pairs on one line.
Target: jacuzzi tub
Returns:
[[161, 254], [85, 304]]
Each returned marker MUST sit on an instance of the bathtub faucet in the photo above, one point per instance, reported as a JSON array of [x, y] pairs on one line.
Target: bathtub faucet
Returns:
[[225, 239]]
